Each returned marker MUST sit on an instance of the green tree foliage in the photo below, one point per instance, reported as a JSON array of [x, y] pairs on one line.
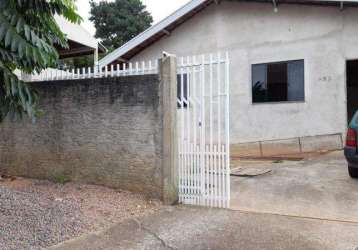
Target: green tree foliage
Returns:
[[119, 21], [28, 34]]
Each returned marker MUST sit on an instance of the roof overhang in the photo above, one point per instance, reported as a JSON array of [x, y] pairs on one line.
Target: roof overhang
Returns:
[[74, 50], [80, 41], [163, 28]]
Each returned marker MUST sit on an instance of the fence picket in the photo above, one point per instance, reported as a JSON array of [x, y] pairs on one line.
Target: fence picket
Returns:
[[124, 69], [130, 68], [95, 72], [150, 65]]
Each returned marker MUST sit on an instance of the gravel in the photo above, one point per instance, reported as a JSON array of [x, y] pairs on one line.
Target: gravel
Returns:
[[28, 219], [36, 214]]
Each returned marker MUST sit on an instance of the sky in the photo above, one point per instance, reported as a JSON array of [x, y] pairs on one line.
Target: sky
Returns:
[[158, 8]]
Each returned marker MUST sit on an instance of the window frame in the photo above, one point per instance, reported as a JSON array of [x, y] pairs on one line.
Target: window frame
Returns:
[[186, 94], [278, 102]]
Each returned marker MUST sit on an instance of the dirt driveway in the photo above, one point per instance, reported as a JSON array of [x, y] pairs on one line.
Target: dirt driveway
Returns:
[[319, 187]]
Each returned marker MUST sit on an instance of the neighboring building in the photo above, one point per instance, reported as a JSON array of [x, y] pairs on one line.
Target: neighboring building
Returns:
[[80, 43], [294, 73]]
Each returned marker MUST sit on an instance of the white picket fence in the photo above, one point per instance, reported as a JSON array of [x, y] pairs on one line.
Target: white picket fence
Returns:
[[125, 69], [203, 130]]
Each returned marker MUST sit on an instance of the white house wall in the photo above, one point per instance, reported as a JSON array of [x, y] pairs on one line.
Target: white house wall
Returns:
[[253, 33]]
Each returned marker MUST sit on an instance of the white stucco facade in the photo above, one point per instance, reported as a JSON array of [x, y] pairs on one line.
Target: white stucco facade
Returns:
[[324, 37]]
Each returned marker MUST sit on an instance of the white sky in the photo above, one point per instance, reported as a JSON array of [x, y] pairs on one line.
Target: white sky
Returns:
[[158, 8]]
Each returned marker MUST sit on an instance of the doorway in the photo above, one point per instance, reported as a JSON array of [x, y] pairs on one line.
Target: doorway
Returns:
[[352, 88]]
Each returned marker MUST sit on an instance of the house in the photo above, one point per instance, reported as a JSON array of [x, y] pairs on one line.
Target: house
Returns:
[[293, 67], [80, 43]]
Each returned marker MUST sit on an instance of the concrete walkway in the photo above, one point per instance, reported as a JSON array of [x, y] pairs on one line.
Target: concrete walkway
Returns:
[[311, 204], [319, 187], [197, 228]]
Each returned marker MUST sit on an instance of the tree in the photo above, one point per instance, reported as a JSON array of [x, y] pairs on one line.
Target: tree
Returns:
[[28, 36], [119, 21]]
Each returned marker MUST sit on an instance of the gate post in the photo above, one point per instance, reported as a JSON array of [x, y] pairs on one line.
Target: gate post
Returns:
[[168, 85]]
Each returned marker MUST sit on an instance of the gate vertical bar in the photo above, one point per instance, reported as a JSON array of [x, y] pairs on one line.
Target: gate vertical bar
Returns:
[[210, 155], [227, 163], [220, 166], [195, 152], [202, 128], [184, 179], [188, 114]]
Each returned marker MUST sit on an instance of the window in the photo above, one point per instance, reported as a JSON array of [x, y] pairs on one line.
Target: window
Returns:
[[182, 99], [278, 82]]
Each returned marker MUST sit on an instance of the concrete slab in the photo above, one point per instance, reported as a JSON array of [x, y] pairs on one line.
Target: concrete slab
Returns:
[[319, 188], [199, 228], [319, 143], [251, 149], [280, 147]]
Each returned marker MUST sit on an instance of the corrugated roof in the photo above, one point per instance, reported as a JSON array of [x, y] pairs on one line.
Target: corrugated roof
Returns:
[[155, 32]]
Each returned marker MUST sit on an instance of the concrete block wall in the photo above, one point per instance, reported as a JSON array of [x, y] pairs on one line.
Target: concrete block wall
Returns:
[[101, 131]]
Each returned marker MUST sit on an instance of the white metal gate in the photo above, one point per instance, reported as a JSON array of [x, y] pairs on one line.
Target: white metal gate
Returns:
[[203, 130]]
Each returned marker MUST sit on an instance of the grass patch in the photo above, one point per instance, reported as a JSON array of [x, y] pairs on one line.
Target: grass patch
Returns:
[[61, 179], [277, 161]]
